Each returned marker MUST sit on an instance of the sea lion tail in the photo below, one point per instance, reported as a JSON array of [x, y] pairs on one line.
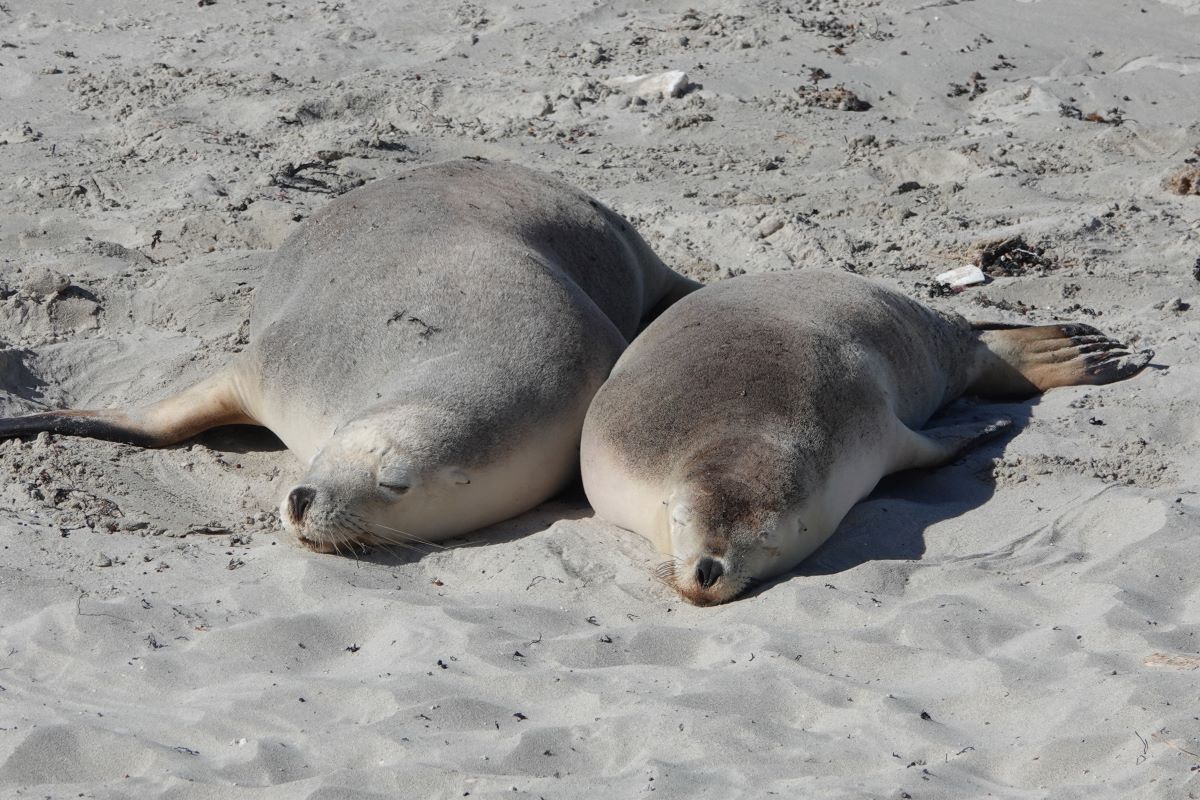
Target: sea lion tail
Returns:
[[1024, 360], [210, 403]]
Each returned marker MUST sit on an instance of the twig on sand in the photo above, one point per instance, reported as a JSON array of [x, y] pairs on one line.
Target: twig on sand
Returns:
[[80, 612]]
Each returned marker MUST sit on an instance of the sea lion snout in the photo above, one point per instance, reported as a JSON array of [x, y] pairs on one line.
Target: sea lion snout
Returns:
[[704, 563], [707, 581], [294, 510], [298, 502], [708, 571]]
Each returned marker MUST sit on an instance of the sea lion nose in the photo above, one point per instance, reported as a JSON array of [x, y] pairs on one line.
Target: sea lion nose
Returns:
[[299, 500], [708, 570]]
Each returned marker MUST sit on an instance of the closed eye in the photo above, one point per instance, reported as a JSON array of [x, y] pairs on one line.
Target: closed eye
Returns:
[[395, 477]]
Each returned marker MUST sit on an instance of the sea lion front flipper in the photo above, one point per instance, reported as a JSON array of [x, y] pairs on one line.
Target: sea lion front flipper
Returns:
[[933, 447], [1021, 361], [210, 403]]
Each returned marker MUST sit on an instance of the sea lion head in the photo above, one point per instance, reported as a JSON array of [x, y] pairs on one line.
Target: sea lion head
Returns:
[[731, 522], [377, 481]]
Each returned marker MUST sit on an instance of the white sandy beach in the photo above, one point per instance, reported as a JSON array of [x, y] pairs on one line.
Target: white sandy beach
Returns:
[[1021, 624]]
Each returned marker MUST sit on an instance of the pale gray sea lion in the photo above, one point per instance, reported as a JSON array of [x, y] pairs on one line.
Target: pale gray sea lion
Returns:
[[741, 426], [428, 345]]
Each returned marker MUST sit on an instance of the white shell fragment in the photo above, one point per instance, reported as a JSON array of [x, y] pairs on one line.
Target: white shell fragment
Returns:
[[667, 84], [961, 277]]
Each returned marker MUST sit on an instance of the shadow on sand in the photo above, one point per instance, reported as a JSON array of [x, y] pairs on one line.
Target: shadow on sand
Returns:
[[569, 504], [17, 379], [239, 439]]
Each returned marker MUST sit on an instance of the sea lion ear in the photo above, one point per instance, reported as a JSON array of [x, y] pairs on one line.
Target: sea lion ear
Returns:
[[457, 475]]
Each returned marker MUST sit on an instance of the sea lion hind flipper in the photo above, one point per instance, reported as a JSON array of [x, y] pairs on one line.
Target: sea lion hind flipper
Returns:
[[208, 404], [1022, 361], [934, 447]]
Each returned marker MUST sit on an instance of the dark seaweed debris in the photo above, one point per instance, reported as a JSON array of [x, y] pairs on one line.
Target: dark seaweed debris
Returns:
[[1184, 181], [1006, 258], [839, 98]]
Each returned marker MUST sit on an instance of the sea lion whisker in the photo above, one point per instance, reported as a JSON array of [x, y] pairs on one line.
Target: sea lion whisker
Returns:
[[353, 523], [392, 540], [333, 541], [390, 543], [665, 574], [351, 545], [359, 525], [408, 535], [339, 537], [397, 548], [339, 525]]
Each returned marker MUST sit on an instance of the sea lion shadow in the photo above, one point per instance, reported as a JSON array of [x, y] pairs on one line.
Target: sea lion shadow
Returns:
[[239, 439], [569, 504], [890, 523], [16, 377]]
